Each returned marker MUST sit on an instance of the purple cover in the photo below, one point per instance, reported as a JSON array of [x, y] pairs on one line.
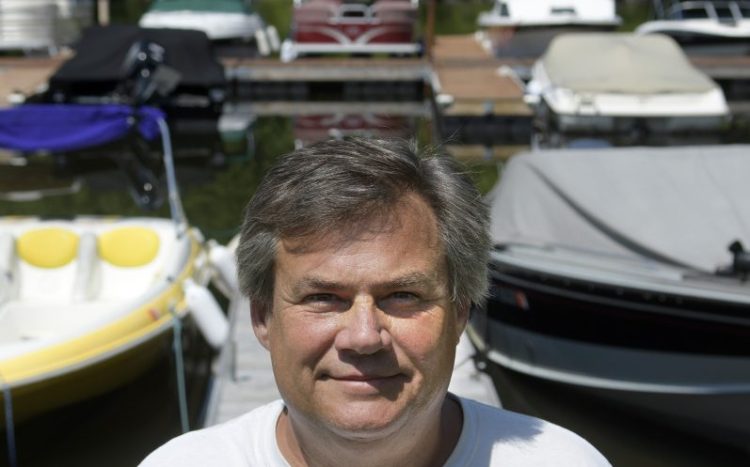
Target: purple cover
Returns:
[[58, 127]]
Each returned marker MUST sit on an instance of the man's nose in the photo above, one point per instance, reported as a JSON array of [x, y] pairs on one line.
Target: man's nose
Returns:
[[362, 329]]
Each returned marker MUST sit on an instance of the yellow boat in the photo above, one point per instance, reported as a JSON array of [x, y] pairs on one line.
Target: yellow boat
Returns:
[[89, 303]]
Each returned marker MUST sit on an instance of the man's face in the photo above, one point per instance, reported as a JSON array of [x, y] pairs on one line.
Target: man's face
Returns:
[[362, 333]]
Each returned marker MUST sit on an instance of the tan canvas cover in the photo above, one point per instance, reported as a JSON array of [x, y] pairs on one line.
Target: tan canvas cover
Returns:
[[622, 63]]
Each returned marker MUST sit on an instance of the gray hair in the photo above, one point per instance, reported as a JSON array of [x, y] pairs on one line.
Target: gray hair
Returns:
[[325, 188]]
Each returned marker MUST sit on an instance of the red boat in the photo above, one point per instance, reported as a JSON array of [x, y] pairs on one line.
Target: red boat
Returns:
[[348, 26]]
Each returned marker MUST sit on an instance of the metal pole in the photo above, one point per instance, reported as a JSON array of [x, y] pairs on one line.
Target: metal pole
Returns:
[[102, 8], [430, 29]]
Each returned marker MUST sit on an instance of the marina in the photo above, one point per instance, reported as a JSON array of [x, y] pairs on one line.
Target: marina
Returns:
[[665, 355]]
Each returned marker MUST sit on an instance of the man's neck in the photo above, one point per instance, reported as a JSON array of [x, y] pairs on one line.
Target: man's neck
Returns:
[[426, 442]]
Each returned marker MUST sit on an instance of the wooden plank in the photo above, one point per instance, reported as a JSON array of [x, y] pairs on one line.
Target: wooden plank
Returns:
[[243, 374]]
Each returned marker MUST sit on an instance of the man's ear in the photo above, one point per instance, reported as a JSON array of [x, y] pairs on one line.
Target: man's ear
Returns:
[[260, 316]]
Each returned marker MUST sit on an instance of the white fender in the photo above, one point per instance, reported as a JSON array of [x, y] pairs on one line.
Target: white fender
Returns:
[[223, 262], [211, 321]]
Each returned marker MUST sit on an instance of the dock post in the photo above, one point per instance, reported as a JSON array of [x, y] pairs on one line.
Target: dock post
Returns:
[[102, 9]]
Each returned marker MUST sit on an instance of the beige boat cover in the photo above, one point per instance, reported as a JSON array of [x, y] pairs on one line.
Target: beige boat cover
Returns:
[[681, 205], [622, 63]]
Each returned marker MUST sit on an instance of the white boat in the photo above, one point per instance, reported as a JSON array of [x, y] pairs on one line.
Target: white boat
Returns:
[[523, 28], [620, 273], [90, 302], [33, 25], [544, 13], [703, 26], [616, 82], [219, 19], [350, 26]]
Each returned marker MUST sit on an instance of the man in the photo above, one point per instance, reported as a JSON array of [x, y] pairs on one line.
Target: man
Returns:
[[361, 260]]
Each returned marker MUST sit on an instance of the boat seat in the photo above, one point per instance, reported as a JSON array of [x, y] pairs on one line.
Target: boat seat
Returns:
[[316, 11], [393, 10], [47, 264], [131, 258]]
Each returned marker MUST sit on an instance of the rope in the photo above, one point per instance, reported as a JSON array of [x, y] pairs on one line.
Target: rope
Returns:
[[10, 433], [180, 368]]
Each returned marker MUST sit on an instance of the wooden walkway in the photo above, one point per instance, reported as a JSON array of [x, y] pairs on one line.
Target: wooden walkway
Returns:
[[469, 81], [244, 377], [25, 75]]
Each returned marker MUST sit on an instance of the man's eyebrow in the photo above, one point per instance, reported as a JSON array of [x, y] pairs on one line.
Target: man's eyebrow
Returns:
[[405, 281]]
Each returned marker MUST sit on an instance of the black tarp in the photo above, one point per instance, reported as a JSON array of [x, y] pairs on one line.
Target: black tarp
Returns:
[[101, 51]]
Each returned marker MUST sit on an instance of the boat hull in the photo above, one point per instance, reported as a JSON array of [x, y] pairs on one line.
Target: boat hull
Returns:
[[88, 381], [685, 363]]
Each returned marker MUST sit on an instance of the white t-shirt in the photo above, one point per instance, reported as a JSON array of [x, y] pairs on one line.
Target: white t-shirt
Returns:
[[490, 437]]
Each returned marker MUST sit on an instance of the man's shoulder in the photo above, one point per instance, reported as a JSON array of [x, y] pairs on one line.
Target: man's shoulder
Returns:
[[236, 442], [499, 434]]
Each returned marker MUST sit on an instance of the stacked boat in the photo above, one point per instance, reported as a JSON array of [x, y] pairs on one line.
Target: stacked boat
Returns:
[[623, 273], [703, 27], [523, 29], [347, 26]]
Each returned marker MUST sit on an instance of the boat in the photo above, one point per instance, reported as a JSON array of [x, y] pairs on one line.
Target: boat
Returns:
[[352, 27], [88, 303], [621, 273], [703, 27], [617, 82], [523, 29], [219, 19], [42, 25], [173, 69]]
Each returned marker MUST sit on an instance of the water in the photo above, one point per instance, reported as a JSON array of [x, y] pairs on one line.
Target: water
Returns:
[[217, 176]]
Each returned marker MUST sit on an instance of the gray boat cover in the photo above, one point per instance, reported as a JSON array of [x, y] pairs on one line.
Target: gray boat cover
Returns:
[[622, 63], [681, 205]]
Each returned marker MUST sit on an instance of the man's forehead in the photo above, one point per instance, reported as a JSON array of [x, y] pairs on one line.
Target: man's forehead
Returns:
[[367, 226]]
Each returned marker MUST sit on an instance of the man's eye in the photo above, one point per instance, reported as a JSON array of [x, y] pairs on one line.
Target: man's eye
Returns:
[[320, 298], [403, 296]]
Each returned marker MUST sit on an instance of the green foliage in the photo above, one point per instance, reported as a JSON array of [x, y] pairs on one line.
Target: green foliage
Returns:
[[457, 17], [277, 13], [633, 14]]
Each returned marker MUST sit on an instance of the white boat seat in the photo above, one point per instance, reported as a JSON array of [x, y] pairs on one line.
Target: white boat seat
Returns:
[[132, 257], [47, 264]]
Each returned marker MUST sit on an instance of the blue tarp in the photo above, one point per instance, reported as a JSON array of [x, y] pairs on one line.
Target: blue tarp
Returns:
[[58, 127]]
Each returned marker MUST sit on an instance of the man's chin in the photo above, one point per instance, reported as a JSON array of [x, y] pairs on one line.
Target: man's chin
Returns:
[[365, 422]]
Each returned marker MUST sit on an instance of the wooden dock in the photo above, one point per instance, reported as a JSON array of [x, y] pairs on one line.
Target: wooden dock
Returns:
[[244, 377], [22, 76], [468, 81]]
